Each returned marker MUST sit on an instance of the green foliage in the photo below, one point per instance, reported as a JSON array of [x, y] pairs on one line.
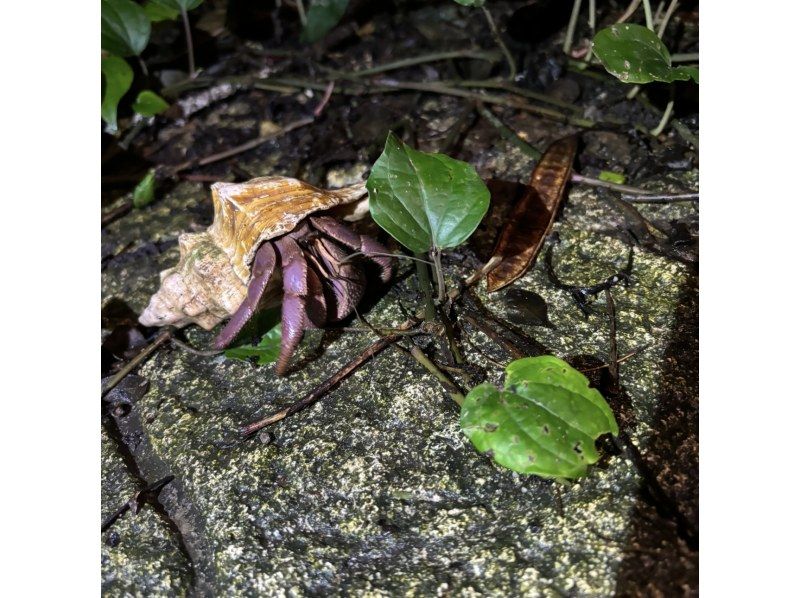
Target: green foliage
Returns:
[[477, 3], [124, 28], [149, 103], [323, 15], [144, 193], [543, 422], [178, 5], [425, 201], [118, 77], [157, 12], [612, 177], [634, 54], [266, 350]]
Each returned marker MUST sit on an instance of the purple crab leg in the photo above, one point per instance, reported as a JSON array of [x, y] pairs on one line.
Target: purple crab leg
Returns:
[[366, 245], [303, 300], [263, 269]]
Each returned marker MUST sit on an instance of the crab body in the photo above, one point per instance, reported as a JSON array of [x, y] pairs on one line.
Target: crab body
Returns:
[[271, 237]]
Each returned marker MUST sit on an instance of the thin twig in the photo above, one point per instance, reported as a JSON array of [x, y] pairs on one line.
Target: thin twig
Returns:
[[301, 12], [686, 57], [509, 59], [329, 384], [423, 59], [667, 16], [140, 357], [592, 26], [325, 99], [189, 45], [585, 180], [239, 149], [629, 11], [506, 344], [664, 119], [508, 134], [573, 20], [189, 349], [648, 15], [451, 388], [662, 198]]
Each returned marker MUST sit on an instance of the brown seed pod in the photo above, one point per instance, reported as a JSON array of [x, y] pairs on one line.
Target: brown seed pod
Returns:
[[532, 217], [210, 280]]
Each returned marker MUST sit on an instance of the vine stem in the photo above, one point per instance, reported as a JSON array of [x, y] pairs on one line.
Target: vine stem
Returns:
[[667, 16], [573, 21], [189, 45], [664, 119], [424, 280], [629, 11], [592, 26], [436, 253], [648, 14], [503, 48], [301, 11]]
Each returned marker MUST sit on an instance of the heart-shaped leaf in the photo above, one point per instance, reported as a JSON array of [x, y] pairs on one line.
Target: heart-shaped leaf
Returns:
[[544, 421], [634, 54], [323, 15], [124, 27], [144, 193], [425, 201], [149, 103], [118, 77]]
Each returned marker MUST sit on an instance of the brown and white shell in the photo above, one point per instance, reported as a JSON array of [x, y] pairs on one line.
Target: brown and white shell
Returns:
[[210, 280]]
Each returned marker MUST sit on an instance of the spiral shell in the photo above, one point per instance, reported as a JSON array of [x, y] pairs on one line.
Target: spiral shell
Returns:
[[210, 280]]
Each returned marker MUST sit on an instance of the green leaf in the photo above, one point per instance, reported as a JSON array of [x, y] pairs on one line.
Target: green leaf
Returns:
[[178, 5], [149, 103], [477, 3], [634, 54], [266, 350], [144, 192], [612, 177], [323, 15], [118, 76], [158, 12], [425, 201], [543, 422], [124, 27]]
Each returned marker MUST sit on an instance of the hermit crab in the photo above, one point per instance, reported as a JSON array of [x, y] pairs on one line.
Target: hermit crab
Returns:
[[268, 230]]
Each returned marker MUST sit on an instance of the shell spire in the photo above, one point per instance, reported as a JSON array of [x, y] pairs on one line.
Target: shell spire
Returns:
[[210, 280]]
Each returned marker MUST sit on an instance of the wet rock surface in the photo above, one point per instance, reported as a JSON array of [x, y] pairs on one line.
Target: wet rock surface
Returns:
[[374, 490]]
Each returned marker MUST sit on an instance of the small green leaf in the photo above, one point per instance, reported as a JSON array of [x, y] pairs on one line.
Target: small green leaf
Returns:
[[266, 350], [323, 15], [544, 422], [179, 5], [144, 192], [634, 54], [158, 12], [124, 27], [612, 177], [425, 201], [477, 3], [118, 76], [149, 103]]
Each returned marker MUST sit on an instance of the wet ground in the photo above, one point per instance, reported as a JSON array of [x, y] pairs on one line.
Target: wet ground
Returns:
[[374, 490]]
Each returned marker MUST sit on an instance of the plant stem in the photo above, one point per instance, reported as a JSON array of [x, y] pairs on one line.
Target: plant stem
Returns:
[[573, 20], [662, 198], [301, 11], [507, 133], [509, 59], [686, 134], [686, 57], [629, 11], [436, 253], [664, 119], [189, 46], [667, 16], [648, 15], [424, 58], [424, 281], [592, 24], [451, 388], [585, 180]]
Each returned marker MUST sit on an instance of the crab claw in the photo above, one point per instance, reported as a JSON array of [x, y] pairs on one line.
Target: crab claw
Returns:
[[303, 300], [344, 282], [263, 269], [366, 245]]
